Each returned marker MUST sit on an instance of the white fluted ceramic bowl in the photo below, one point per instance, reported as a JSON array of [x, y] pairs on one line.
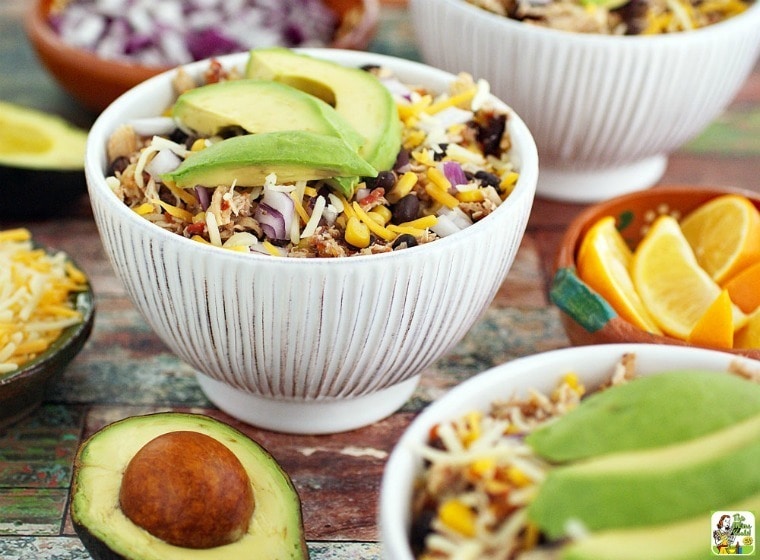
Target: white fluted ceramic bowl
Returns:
[[606, 111], [307, 345], [593, 365]]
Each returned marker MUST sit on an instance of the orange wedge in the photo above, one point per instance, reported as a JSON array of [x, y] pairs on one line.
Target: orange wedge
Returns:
[[744, 288], [715, 327], [603, 263], [749, 335], [674, 288], [724, 234]]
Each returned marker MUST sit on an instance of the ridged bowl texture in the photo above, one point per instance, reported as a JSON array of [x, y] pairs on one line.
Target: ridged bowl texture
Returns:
[[606, 111]]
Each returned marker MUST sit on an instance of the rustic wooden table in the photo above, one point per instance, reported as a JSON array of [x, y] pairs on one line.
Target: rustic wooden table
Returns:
[[125, 370]]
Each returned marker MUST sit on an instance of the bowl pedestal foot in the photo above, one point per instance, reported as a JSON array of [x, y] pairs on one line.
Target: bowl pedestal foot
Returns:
[[595, 185], [299, 416]]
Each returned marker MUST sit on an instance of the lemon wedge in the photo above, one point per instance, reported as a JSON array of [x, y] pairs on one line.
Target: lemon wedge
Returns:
[[716, 326], [724, 234], [603, 263], [749, 335], [675, 289]]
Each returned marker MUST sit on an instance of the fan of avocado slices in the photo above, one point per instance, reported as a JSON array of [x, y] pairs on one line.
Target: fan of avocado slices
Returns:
[[300, 117], [638, 468]]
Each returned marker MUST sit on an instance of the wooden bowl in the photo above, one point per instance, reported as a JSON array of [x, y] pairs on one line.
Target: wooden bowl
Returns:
[[586, 317], [23, 390], [95, 81]]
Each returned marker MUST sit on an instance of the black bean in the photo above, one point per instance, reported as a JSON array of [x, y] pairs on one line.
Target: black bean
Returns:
[[402, 159], [178, 136], [406, 209], [438, 156], [384, 180], [487, 178], [489, 135], [404, 241], [118, 165]]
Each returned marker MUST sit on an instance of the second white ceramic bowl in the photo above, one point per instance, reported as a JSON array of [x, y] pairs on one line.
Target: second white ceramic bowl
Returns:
[[592, 364], [307, 345], [606, 111]]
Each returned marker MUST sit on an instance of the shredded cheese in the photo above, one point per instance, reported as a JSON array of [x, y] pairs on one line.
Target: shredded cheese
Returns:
[[35, 303]]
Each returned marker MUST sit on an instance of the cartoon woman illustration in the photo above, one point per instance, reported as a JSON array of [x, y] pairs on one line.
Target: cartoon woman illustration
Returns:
[[722, 536]]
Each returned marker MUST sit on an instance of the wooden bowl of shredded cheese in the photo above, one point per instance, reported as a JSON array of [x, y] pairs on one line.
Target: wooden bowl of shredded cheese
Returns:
[[46, 315]]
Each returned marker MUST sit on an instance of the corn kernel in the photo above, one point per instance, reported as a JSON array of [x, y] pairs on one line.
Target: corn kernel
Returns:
[[357, 233], [198, 145], [470, 196], [458, 517], [374, 227], [384, 212], [481, 468], [403, 187], [517, 477]]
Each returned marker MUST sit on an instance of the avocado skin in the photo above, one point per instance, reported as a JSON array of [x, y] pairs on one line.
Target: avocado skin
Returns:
[[291, 548], [35, 194], [691, 403], [39, 183]]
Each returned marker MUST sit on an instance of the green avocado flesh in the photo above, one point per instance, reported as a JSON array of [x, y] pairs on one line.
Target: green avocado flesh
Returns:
[[655, 479], [32, 139], [259, 106], [246, 161], [683, 540], [275, 531], [632, 416], [363, 101]]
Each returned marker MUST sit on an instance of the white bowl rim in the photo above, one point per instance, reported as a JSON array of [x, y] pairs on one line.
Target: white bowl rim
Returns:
[[652, 41], [490, 385], [525, 186]]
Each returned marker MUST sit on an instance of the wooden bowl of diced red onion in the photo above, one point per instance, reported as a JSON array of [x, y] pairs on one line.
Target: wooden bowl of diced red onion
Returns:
[[98, 50]]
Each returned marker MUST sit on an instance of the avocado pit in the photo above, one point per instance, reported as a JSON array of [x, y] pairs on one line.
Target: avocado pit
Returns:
[[189, 490]]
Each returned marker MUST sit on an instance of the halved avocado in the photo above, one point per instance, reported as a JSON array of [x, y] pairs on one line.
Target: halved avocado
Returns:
[[107, 460], [41, 162]]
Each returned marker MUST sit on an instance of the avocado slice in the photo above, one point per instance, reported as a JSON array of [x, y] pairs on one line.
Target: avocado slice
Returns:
[[293, 155], [274, 530], [660, 485], [356, 94], [41, 162], [259, 106], [683, 540], [691, 403]]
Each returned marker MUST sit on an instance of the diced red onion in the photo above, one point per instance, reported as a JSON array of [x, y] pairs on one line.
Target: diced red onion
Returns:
[[454, 173], [275, 214], [271, 222], [164, 161], [169, 32], [203, 196]]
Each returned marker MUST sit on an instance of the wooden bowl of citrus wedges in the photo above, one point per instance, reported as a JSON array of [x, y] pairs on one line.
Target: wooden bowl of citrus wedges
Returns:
[[672, 265]]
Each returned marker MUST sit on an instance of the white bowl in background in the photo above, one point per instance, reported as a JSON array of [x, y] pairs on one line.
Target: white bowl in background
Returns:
[[593, 365], [306, 345], [606, 111]]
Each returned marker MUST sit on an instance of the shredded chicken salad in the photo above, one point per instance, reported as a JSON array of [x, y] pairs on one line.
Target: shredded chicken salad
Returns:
[[617, 17], [453, 169]]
